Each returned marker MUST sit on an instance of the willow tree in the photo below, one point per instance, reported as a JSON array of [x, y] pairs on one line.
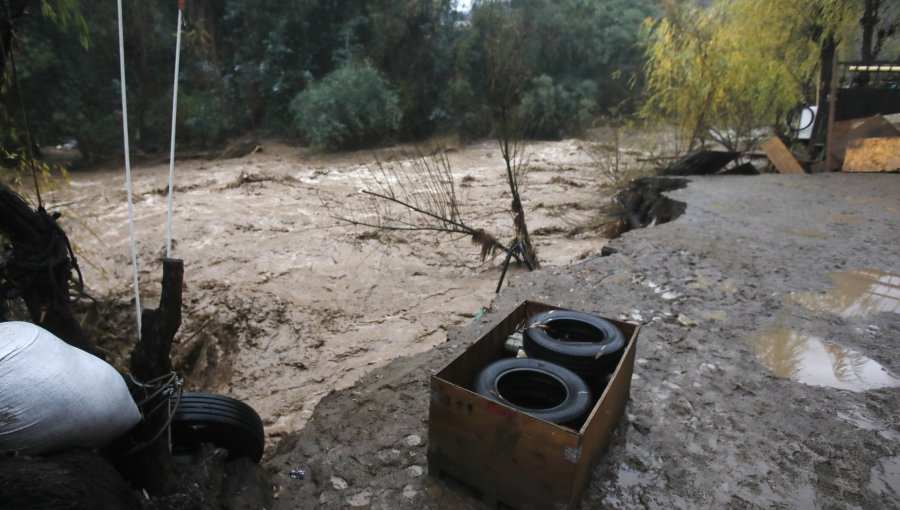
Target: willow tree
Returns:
[[720, 72]]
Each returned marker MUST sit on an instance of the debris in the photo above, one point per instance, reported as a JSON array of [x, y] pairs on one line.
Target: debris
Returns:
[[361, 499], [743, 169], [873, 155], [606, 251], [339, 483], [849, 131], [513, 342], [700, 162], [297, 474], [781, 157], [684, 320]]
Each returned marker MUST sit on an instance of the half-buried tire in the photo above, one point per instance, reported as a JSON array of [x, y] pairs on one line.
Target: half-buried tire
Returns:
[[586, 344], [535, 387], [223, 421]]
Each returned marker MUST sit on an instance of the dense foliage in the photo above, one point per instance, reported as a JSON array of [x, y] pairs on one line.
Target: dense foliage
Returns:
[[352, 105], [261, 67], [722, 71]]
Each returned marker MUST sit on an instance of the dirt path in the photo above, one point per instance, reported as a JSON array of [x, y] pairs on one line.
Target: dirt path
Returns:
[[282, 304], [762, 379]]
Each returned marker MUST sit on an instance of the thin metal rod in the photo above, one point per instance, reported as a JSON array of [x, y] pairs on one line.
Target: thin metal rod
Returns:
[[172, 143], [137, 293]]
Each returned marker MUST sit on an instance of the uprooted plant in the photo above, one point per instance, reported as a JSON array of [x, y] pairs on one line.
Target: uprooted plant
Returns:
[[421, 195], [415, 192]]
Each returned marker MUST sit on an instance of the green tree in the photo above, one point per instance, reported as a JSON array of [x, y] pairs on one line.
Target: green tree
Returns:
[[571, 56], [720, 72], [352, 106]]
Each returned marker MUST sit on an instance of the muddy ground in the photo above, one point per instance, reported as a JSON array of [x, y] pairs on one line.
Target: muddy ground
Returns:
[[744, 272], [729, 403]]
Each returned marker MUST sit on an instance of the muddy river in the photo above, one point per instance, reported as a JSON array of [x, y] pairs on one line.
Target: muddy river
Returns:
[[283, 302]]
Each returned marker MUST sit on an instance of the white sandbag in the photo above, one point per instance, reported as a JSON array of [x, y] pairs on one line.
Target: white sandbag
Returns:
[[54, 396]]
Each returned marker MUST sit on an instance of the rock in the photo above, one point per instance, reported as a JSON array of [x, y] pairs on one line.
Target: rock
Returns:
[[361, 499], [415, 471], [686, 321], [413, 440], [339, 483], [409, 492]]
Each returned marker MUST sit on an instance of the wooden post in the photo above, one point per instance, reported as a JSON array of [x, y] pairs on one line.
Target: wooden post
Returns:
[[830, 160], [150, 357], [153, 467]]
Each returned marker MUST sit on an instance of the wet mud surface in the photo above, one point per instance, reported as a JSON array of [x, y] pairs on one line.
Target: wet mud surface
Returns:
[[332, 332], [734, 297]]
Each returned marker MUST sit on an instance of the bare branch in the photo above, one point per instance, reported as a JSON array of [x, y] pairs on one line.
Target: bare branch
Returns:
[[415, 192]]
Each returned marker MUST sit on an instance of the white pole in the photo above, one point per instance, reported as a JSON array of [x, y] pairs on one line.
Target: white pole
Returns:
[[172, 143], [137, 294]]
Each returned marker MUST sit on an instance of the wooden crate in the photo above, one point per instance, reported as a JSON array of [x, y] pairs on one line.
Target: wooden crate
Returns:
[[509, 456]]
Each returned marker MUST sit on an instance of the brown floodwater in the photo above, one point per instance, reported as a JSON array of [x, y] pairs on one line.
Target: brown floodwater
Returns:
[[283, 303], [810, 360], [856, 294]]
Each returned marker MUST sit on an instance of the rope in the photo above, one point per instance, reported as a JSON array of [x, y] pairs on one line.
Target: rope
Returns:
[[172, 144], [137, 294], [168, 386]]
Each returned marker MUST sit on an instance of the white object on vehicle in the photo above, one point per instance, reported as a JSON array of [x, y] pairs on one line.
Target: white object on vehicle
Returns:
[[807, 118], [55, 396]]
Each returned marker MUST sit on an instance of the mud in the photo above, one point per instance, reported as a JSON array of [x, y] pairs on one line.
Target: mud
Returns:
[[708, 423], [332, 332]]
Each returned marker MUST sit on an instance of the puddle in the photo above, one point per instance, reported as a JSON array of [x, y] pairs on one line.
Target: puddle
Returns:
[[810, 360], [857, 419], [885, 478], [856, 293], [805, 233]]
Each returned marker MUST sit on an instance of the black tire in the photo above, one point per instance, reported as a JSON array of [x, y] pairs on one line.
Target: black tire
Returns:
[[538, 388], [223, 421], [796, 114], [586, 344]]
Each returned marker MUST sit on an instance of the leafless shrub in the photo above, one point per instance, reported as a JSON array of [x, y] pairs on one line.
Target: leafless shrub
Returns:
[[414, 192]]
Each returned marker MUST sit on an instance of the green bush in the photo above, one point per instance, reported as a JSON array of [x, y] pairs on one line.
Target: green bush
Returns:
[[552, 111], [350, 107], [203, 119]]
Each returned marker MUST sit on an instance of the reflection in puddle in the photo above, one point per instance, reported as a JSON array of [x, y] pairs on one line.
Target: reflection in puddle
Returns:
[[809, 360], [856, 293]]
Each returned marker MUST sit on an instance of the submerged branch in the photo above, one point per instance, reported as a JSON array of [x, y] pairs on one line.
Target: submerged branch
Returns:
[[421, 184]]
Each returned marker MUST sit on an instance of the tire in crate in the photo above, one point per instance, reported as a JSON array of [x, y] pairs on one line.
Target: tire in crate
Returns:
[[535, 387], [584, 343]]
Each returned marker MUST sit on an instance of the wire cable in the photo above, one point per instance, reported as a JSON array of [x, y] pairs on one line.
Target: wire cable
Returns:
[[172, 143], [137, 293]]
